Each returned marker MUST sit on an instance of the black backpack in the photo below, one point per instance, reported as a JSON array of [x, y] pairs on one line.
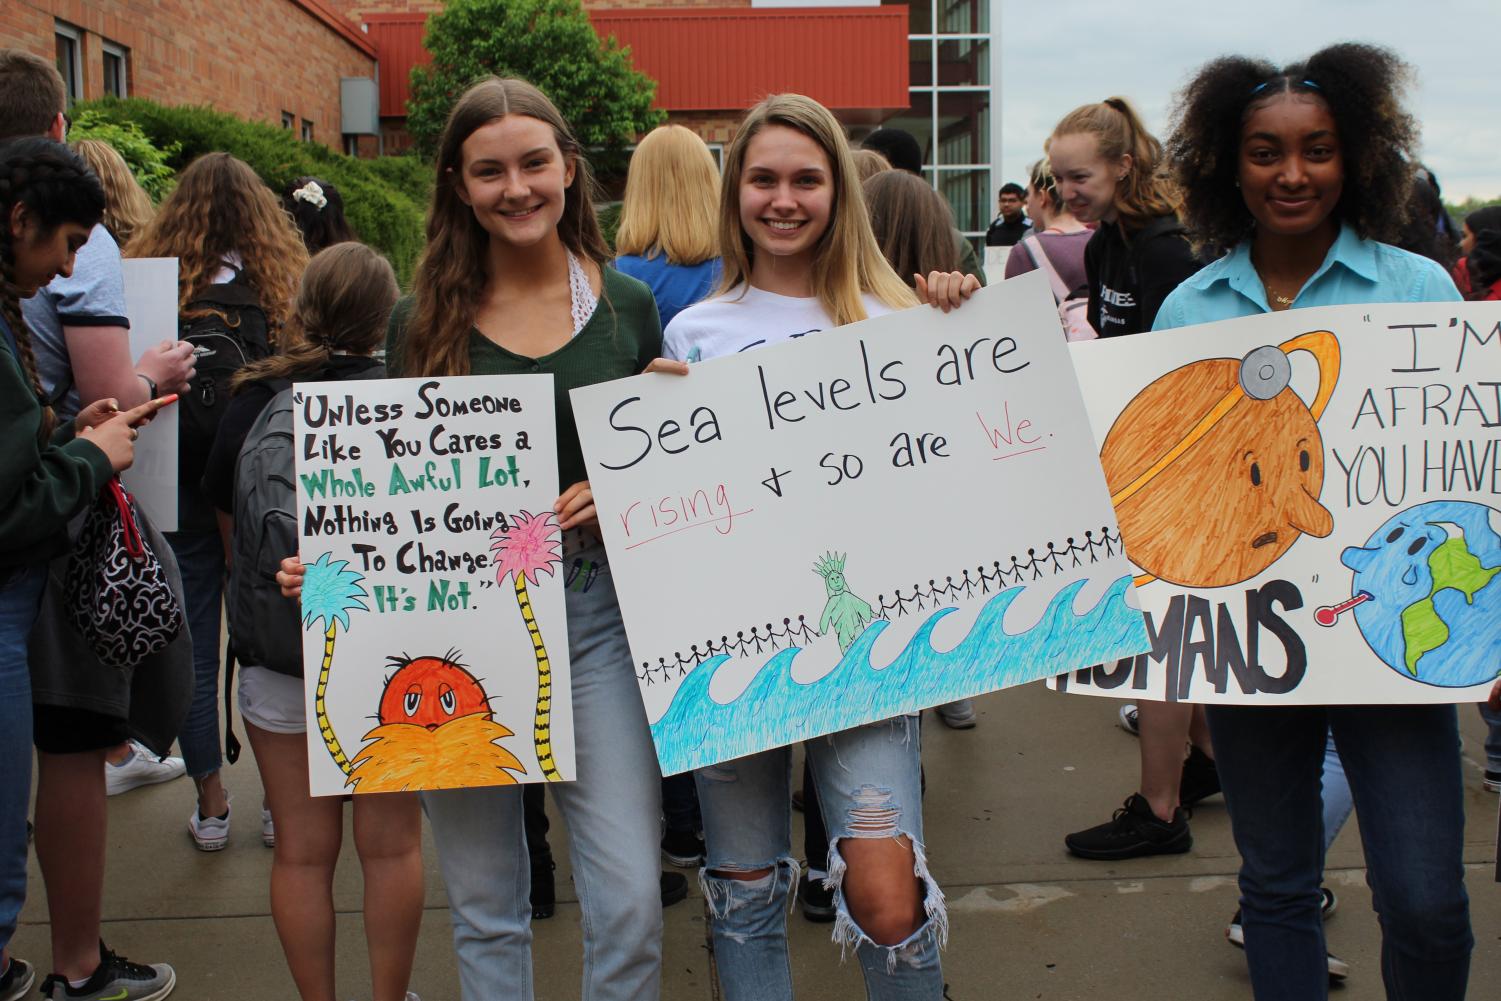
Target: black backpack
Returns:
[[228, 330]]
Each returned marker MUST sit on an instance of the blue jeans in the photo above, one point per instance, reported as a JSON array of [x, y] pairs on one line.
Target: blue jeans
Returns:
[[1492, 738], [1336, 793], [613, 815], [1403, 765], [20, 596], [200, 558], [869, 786]]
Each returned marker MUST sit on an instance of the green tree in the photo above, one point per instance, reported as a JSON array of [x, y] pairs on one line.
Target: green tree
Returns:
[[151, 166], [549, 43]]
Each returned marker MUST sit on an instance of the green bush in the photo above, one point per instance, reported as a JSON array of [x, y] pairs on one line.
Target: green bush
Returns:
[[384, 198], [150, 165]]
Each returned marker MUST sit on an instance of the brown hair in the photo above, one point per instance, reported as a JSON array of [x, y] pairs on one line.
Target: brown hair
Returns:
[[34, 94], [346, 297], [127, 207], [220, 208], [1145, 192], [912, 224], [671, 192], [869, 163], [847, 263], [453, 270]]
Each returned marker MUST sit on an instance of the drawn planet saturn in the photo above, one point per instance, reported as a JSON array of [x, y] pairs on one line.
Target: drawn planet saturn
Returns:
[[1215, 468]]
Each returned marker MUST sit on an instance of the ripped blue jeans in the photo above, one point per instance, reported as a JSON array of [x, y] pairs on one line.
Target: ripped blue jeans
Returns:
[[869, 786]]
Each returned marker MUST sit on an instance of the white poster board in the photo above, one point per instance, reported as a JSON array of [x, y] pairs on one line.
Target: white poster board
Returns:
[[866, 522], [995, 262], [435, 642], [151, 307], [1334, 541]]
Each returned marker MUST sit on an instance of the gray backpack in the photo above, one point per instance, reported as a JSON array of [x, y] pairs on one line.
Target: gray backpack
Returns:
[[265, 628]]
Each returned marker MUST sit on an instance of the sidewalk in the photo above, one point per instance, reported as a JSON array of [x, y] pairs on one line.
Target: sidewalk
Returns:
[[1028, 921]]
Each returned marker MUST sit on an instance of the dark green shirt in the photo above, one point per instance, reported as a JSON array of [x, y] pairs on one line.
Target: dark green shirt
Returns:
[[620, 339], [41, 486]]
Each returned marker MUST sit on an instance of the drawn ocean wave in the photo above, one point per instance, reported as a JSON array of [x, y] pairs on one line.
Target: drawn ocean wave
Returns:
[[775, 709]]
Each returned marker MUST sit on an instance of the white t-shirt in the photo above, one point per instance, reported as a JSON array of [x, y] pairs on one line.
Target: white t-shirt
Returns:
[[745, 318]]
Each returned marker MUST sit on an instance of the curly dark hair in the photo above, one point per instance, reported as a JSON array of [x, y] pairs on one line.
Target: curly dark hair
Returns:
[[1362, 85]]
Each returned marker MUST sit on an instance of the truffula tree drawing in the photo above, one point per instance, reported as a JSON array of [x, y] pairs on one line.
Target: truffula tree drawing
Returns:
[[844, 612], [330, 591], [527, 548]]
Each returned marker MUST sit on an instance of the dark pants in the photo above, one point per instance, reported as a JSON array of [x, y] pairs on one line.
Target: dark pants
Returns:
[[1403, 767], [200, 558]]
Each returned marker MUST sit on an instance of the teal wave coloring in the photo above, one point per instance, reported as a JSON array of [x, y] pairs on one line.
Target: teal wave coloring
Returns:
[[775, 709]]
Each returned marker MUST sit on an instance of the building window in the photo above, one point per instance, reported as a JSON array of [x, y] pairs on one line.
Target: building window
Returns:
[[953, 98], [307, 131], [116, 60], [70, 58], [288, 120]]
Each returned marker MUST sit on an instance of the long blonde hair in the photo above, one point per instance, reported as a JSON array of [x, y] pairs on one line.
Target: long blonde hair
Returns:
[[345, 298], [127, 207], [671, 192], [218, 209], [454, 267], [847, 262], [1145, 192]]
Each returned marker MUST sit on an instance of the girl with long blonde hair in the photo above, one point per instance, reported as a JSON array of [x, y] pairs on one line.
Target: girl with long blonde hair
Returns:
[[799, 257], [127, 207], [226, 228], [667, 236], [515, 280]]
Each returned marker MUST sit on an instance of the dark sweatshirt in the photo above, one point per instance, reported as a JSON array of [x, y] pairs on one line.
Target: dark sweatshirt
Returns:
[[42, 487], [1129, 281]]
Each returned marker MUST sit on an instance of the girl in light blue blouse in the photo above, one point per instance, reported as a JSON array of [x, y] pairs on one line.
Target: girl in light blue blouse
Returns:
[[1296, 174]]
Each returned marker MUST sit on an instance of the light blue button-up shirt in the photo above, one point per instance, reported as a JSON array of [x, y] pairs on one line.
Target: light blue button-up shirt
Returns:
[[1354, 271]]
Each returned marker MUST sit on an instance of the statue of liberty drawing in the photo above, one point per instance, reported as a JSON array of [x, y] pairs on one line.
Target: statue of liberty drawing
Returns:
[[845, 613]]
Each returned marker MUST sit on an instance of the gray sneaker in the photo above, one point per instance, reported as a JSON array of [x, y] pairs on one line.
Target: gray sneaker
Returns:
[[116, 979], [17, 980], [958, 715]]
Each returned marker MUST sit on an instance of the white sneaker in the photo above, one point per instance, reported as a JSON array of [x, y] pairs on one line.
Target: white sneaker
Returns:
[[1130, 722], [142, 768], [268, 828], [958, 715], [210, 834]]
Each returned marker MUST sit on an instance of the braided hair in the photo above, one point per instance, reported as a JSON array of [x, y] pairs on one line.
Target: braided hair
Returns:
[[56, 187]]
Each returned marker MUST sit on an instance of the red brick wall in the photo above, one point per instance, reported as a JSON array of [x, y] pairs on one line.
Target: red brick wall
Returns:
[[253, 58]]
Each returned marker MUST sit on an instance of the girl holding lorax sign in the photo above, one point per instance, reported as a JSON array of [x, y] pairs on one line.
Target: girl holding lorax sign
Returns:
[[1296, 172], [514, 280]]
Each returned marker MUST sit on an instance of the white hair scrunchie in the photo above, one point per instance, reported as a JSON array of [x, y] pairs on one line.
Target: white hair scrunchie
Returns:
[[312, 194]]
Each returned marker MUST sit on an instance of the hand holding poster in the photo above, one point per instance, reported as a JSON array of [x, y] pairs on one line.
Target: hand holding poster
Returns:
[[1310, 497], [151, 305], [432, 607], [853, 525]]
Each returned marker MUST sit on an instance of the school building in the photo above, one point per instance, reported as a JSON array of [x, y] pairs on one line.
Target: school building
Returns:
[[336, 71]]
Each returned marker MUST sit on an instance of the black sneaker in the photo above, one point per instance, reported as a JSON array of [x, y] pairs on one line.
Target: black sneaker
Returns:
[[1134, 831], [674, 888], [116, 979], [1201, 779], [684, 849], [816, 901], [1338, 968], [544, 888], [17, 980]]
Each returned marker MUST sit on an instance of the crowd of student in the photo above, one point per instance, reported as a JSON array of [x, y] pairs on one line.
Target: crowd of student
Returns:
[[1276, 190]]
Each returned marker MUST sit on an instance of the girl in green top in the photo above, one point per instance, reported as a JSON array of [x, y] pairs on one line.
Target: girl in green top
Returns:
[[49, 202], [514, 280]]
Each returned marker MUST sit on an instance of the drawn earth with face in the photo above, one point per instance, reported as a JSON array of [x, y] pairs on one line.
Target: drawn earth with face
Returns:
[[431, 691], [1235, 500]]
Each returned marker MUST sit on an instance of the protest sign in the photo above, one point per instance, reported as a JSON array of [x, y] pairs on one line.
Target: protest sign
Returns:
[[151, 307], [856, 524], [1310, 500], [434, 633]]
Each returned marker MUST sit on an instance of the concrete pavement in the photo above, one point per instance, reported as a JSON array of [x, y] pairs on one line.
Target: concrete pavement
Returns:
[[1028, 921]]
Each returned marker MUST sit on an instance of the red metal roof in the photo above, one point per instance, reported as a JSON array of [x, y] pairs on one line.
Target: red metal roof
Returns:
[[730, 58], [339, 23], [717, 59]]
